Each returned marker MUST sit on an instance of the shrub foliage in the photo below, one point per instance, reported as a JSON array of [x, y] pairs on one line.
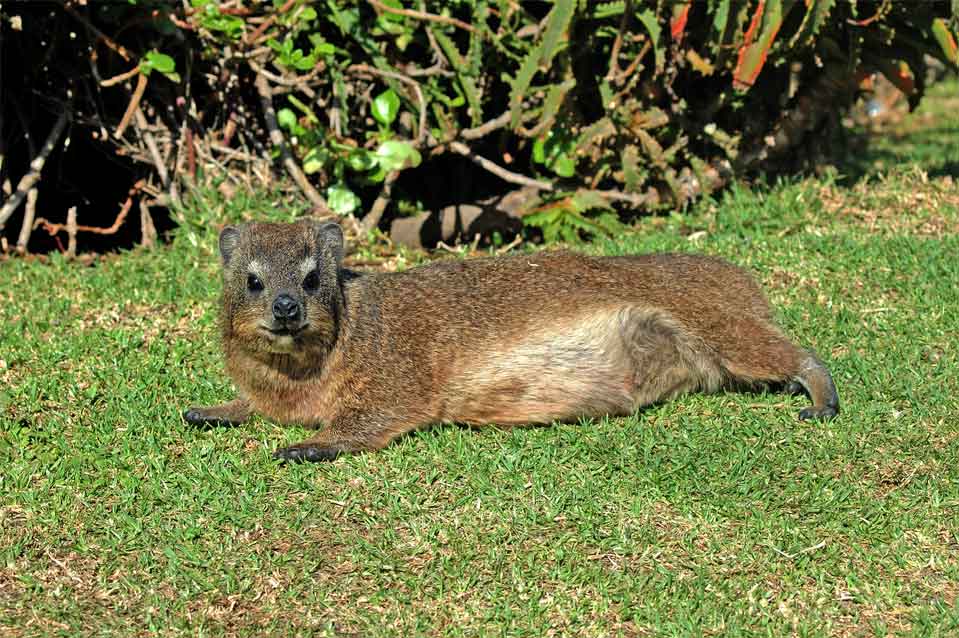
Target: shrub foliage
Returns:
[[595, 109]]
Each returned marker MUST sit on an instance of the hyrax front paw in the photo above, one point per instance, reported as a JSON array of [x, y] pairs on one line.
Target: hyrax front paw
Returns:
[[820, 413], [227, 414], [298, 454], [201, 418]]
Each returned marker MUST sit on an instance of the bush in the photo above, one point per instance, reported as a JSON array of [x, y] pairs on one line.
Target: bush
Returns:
[[593, 111]]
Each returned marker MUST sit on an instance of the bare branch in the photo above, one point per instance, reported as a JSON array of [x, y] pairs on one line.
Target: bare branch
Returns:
[[618, 42], [421, 15], [29, 212], [635, 199], [276, 138], [141, 122], [499, 171], [116, 79], [36, 166], [255, 35], [486, 128], [72, 232], [299, 83], [107, 40], [148, 231], [72, 228], [372, 218], [132, 106]]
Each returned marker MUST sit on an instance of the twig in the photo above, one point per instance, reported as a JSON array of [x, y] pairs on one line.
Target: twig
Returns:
[[233, 153], [630, 71], [363, 68], [190, 152], [53, 229], [147, 136], [116, 79], [132, 106], [486, 128], [632, 198], [510, 246], [33, 176], [276, 138], [72, 232], [118, 48], [420, 15], [255, 35], [618, 42], [29, 212], [436, 69], [499, 171], [148, 231], [372, 218], [442, 245], [298, 83]]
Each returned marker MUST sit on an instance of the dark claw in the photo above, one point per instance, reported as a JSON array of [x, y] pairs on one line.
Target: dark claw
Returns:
[[196, 418], [794, 387], [311, 454], [822, 413]]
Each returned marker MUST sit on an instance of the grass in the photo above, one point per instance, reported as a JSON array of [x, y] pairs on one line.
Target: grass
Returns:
[[719, 515]]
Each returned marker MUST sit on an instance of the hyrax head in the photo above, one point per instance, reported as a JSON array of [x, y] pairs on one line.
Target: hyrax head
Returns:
[[280, 284]]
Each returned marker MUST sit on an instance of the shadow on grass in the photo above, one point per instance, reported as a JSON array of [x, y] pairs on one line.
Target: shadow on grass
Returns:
[[924, 149]]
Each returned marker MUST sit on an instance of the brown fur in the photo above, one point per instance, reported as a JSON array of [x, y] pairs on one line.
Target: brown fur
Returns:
[[508, 340]]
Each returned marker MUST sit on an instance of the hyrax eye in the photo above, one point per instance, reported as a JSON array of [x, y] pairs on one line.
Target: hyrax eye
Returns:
[[311, 282], [253, 283]]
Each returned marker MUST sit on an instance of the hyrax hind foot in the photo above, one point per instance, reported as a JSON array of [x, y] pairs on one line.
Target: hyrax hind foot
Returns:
[[814, 377], [226, 415], [332, 441], [300, 453]]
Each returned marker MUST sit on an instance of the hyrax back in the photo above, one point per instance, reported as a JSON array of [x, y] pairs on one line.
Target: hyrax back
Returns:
[[509, 340]]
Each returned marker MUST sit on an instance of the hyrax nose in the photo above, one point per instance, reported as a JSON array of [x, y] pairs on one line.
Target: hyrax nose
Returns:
[[286, 308]]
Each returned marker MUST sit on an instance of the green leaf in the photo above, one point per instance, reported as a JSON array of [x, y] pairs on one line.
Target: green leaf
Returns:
[[586, 200], [286, 118], [277, 46], [360, 160], [385, 107], [320, 46], [557, 23], [389, 16], [315, 160], [539, 150], [555, 150], [341, 199], [564, 165], [211, 19], [160, 61], [394, 155], [305, 63], [648, 18], [467, 83]]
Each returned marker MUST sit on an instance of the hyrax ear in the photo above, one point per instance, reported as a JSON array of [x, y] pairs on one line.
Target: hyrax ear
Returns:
[[329, 239], [229, 240]]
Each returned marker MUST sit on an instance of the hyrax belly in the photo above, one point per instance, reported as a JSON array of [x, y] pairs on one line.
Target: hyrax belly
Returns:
[[609, 361]]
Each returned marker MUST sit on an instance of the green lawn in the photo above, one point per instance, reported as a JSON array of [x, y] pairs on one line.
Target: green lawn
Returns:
[[719, 515]]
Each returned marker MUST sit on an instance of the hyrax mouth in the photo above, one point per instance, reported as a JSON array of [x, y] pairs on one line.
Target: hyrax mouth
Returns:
[[285, 331]]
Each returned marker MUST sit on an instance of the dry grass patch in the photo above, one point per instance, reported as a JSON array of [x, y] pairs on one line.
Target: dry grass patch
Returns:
[[904, 201]]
